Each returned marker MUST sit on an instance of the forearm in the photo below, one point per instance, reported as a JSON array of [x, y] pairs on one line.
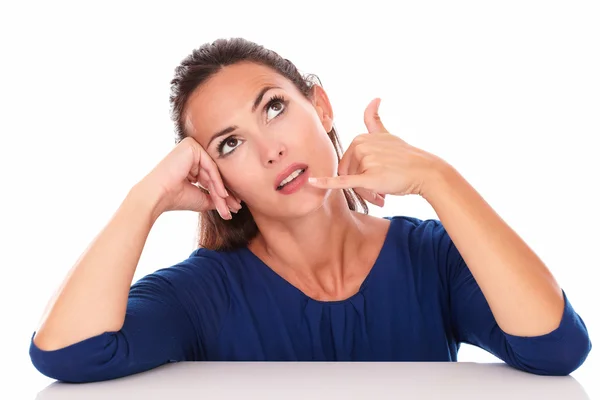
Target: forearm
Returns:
[[522, 293], [93, 297]]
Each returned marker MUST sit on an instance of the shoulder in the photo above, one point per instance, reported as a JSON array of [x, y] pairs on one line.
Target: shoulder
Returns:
[[425, 240], [203, 271], [416, 230]]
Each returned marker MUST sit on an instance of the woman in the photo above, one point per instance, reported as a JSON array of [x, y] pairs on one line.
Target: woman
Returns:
[[288, 267]]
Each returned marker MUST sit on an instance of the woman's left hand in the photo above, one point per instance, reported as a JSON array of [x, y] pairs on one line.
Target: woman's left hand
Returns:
[[378, 163]]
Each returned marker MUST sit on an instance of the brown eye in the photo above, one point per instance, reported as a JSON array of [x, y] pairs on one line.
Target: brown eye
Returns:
[[275, 108], [227, 146]]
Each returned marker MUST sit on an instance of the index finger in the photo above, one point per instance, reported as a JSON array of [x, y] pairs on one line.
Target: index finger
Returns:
[[339, 182]]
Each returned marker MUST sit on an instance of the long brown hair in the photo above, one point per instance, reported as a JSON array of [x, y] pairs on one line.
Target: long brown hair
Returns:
[[214, 232]]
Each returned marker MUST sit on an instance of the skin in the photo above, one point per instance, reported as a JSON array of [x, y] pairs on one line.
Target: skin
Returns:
[[522, 294], [310, 238], [315, 242], [299, 240]]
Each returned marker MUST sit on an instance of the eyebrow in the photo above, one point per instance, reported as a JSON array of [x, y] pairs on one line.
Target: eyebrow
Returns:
[[232, 128]]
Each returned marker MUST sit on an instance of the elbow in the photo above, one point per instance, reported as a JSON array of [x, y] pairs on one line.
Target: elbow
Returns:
[[572, 347], [86, 361], [563, 358], [567, 347], [54, 369], [571, 356], [558, 353]]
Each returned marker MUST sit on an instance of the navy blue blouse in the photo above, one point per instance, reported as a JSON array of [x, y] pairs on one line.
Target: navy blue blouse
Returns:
[[418, 303]]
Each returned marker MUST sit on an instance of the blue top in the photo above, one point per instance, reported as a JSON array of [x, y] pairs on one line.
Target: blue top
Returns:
[[418, 303]]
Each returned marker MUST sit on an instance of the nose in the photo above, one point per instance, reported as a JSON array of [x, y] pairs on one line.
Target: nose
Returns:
[[273, 152]]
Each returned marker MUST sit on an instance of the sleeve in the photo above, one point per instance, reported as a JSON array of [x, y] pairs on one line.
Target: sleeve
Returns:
[[559, 352], [170, 315]]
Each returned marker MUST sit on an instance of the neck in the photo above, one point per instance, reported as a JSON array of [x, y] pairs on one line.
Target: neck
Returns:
[[315, 248]]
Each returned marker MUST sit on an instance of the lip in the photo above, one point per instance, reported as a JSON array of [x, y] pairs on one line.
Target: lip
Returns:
[[286, 172]]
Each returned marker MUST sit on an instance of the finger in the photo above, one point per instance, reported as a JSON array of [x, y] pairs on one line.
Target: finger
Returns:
[[192, 179], [345, 162], [204, 179], [233, 204], [193, 174], [372, 119], [370, 196], [198, 152], [219, 202], [199, 200], [338, 182], [349, 158], [234, 197], [354, 163], [211, 168]]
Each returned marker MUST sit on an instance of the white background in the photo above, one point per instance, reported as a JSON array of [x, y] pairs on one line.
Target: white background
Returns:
[[507, 92]]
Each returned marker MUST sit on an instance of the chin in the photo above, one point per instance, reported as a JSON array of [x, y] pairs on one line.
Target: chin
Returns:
[[308, 203]]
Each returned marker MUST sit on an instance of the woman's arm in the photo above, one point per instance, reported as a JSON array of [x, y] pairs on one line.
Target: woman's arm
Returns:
[[93, 297], [502, 297], [523, 295]]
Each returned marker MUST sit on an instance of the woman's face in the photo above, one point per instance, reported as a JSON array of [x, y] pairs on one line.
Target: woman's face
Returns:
[[267, 125]]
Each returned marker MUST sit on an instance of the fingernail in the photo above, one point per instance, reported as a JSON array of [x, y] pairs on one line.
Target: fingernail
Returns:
[[312, 180]]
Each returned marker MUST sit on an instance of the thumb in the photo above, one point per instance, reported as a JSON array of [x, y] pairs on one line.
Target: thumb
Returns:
[[372, 119]]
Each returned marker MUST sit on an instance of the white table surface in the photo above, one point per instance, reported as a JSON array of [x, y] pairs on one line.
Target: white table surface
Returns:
[[196, 380]]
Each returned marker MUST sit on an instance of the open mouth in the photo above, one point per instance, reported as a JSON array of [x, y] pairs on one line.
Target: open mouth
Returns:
[[293, 176]]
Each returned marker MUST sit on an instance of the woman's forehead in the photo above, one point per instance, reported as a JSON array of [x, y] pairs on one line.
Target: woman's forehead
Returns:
[[231, 91]]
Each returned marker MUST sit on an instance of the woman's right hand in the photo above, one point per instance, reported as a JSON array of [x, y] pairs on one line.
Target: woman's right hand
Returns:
[[177, 176]]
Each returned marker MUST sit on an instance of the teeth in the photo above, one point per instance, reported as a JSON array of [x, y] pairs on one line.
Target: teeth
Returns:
[[291, 177]]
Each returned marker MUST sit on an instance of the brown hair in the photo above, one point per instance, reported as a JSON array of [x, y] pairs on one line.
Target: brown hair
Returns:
[[216, 233]]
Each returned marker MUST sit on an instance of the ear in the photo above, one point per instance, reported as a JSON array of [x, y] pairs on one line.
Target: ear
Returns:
[[323, 106]]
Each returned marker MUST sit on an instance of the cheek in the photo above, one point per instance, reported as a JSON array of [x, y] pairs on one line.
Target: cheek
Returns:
[[241, 181], [310, 138], [303, 132], [233, 180]]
